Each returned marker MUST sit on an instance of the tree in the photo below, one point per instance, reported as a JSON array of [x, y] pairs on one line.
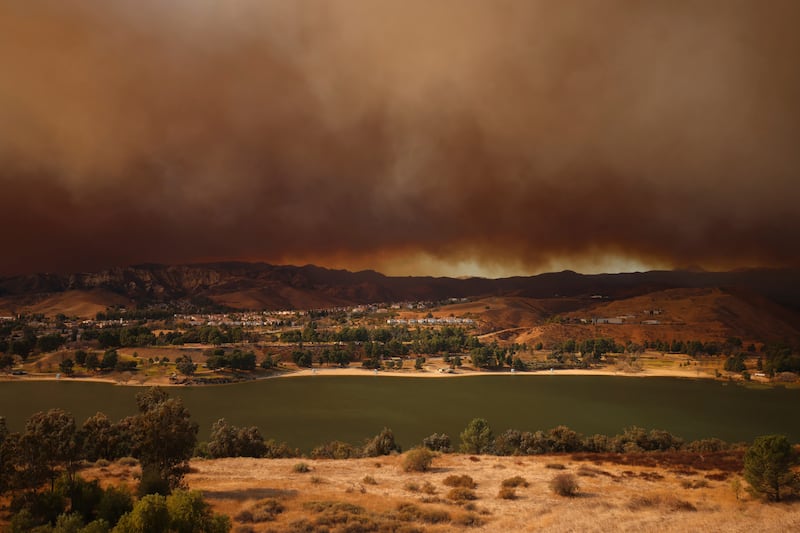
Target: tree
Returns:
[[99, 438], [230, 441], [6, 361], [164, 436], [48, 445], [91, 362], [67, 366], [6, 457], [476, 437], [110, 358], [186, 366], [768, 465]]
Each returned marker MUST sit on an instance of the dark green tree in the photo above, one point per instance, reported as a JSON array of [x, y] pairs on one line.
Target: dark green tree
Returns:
[[48, 446], [99, 438], [477, 437], [67, 367], [768, 465], [164, 437]]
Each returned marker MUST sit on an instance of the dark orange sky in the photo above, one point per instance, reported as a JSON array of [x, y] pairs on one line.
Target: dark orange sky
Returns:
[[449, 137]]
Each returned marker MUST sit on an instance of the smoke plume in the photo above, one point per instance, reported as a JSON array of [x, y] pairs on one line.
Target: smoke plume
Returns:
[[517, 134]]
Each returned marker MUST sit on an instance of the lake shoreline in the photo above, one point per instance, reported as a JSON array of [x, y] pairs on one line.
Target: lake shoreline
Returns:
[[163, 381]]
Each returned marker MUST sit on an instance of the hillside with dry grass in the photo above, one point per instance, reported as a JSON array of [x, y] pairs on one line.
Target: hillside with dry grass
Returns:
[[708, 314], [646, 492]]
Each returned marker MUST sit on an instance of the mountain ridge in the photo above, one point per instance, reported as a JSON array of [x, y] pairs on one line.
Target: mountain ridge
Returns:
[[270, 286]]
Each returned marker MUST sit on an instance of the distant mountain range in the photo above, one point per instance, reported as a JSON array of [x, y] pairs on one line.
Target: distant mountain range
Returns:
[[263, 286]]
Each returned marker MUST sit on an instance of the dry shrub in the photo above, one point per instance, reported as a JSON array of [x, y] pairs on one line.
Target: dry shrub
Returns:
[[721, 476], [369, 480], [102, 462], [469, 520], [694, 483], [516, 481], [507, 493], [244, 529], [474, 459], [409, 512], [418, 460], [410, 486], [329, 506], [587, 471], [674, 504], [316, 480], [555, 466], [643, 502], [262, 511], [460, 481], [670, 502], [128, 461], [428, 488], [564, 485], [461, 494], [301, 468]]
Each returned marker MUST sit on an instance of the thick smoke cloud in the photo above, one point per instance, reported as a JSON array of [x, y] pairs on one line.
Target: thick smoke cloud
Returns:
[[371, 133]]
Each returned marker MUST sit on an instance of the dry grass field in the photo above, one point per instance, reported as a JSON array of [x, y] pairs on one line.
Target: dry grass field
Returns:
[[689, 493]]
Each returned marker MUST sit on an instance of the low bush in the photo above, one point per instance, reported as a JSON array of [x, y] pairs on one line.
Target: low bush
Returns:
[[564, 485], [460, 481], [301, 468], [469, 520], [516, 481], [411, 486], [418, 460], [335, 450], [428, 488], [461, 494], [369, 480], [507, 493], [409, 512], [694, 483], [555, 466], [438, 442]]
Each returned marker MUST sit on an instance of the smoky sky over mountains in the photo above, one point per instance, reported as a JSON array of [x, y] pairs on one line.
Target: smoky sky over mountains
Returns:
[[512, 135]]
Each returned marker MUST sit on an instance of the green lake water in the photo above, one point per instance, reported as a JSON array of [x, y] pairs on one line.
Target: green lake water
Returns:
[[306, 411]]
